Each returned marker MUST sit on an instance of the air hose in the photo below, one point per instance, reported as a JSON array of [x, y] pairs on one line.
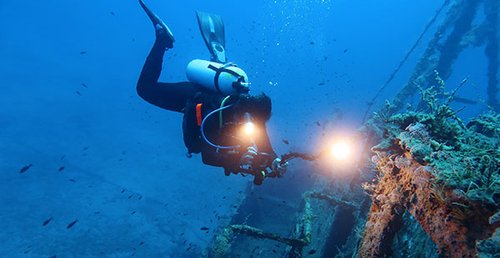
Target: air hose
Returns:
[[202, 130]]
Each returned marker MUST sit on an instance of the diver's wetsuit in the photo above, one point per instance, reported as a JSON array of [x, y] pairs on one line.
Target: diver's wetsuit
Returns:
[[182, 97]]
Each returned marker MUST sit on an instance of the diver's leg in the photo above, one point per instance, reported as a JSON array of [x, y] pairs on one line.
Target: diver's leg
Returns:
[[152, 67], [171, 96]]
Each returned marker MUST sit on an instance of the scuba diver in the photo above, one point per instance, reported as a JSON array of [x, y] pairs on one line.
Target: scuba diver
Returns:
[[221, 120]]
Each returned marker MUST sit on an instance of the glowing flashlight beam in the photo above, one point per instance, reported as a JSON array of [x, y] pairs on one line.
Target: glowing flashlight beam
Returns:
[[341, 151], [249, 128]]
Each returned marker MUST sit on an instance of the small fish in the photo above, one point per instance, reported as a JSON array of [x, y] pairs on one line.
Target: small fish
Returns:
[[79, 94], [84, 85], [132, 213], [25, 168], [83, 52], [321, 83], [311, 42], [72, 180], [345, 50], [204, 228], [61, 169], [312, 251], [318, 123], [130, 196], [70, 225], [53, 256], [85, 148], [123, 190], [112, 13], [46, 222], [285, 141], [141, 243]]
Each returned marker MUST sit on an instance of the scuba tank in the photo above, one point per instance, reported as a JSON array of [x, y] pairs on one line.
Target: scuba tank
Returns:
[[225, 79], [216, 75]]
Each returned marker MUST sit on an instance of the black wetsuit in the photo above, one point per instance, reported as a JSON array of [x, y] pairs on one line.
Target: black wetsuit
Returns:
[[183, 97]]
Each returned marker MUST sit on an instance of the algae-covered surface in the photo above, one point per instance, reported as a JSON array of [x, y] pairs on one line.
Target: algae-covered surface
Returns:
[[431, 162], [465, 157]]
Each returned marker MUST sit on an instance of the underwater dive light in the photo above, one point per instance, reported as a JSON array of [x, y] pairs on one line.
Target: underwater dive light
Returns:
[[248, 128], [341, 154], [341, 150]]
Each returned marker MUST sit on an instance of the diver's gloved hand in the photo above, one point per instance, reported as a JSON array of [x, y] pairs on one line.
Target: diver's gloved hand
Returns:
[[278, 168], [247, 159]]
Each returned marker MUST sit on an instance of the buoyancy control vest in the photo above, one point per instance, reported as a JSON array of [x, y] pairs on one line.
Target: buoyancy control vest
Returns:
[[196, 109]]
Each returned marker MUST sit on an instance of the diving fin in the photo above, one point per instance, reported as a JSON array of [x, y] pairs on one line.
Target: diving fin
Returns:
[[160, 27], [212, 30]]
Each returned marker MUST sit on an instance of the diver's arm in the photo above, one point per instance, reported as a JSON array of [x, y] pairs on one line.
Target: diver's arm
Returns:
[[274, 163]]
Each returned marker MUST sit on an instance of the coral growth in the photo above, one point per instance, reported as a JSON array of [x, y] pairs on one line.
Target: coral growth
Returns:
[[445, 174], [466, 158], [453, 221]]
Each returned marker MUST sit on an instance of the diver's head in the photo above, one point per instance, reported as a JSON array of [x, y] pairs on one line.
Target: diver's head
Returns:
[[258, 106]]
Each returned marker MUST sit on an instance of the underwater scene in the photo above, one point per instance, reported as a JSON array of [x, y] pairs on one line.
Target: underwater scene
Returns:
[[264, 128]]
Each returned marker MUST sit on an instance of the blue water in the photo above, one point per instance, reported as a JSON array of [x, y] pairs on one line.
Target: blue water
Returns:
[[126, 177]]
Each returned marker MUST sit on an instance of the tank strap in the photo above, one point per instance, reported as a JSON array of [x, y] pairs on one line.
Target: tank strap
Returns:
[[219, 71]]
